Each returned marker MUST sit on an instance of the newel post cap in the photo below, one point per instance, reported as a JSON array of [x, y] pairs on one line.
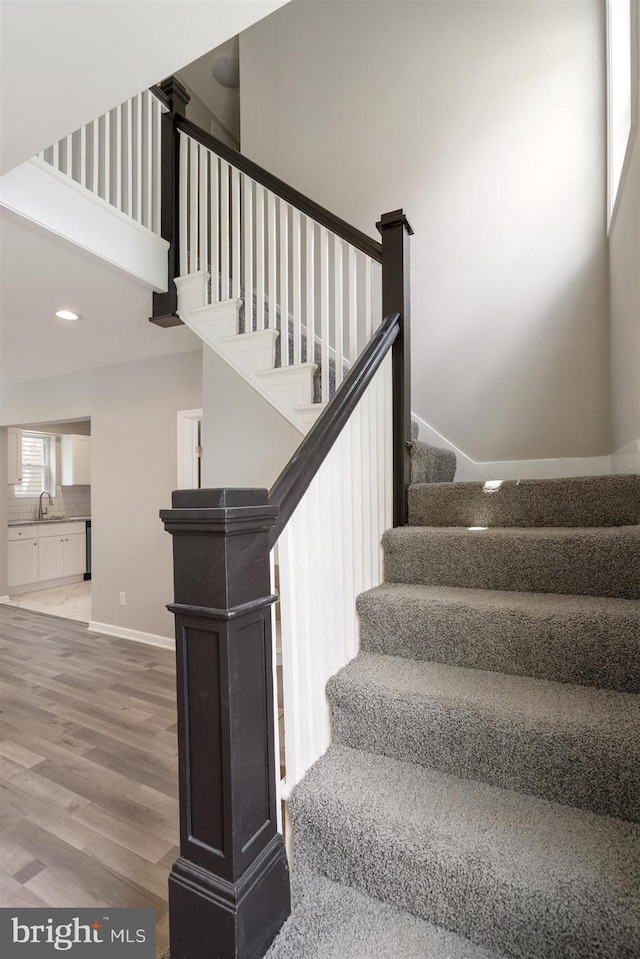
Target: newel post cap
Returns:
[[394, 218]]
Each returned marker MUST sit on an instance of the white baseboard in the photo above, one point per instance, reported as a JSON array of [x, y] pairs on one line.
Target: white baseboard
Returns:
[[548, 469], [4, 599], [46, 584], [626, 460], [136, 635]]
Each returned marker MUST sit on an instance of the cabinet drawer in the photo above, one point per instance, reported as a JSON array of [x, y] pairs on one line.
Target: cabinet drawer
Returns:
[[59, 529], [21, 532]]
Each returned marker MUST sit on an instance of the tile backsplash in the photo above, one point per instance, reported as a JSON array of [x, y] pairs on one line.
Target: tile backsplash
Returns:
[[68, 501]]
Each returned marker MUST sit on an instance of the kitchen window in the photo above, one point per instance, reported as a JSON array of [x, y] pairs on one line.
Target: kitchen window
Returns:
[[38, 464]]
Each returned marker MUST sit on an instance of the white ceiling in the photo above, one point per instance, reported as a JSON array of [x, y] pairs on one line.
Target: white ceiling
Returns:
[[41, 274], [65, 62]]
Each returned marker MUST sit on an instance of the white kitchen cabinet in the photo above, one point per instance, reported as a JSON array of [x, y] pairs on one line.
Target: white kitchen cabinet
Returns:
[[14, 456], [50, 557], [62, 549], [75, 554], [45, 552], [76, 460], [22, 565]]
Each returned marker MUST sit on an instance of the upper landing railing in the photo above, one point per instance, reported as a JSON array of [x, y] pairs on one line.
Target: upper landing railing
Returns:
[[118, 157]]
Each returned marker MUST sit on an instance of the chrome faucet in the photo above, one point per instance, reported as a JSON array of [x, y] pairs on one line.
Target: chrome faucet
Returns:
[[41, 511]]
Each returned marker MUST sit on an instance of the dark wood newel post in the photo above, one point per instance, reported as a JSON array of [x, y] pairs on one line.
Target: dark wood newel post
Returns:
[[174, 95], [396, 230], [229, 889]]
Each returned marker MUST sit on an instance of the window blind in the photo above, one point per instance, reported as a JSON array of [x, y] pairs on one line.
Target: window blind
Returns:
[[36, 460]]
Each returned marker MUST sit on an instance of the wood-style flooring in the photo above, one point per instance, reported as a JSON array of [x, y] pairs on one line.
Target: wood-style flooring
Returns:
[[88, 768]]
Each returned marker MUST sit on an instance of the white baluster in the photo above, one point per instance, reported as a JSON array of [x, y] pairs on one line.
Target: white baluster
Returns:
[[95, 157], [352, 299], [368, 325], [203, 196], [214, 226], [105, 158], [68, 155], [324, 312], [83, 156], [296, 243], [284, 283], [272, 253], [236, 261], [117, 160], [260, 257], [56, 155], [194, 264], [183, 187], [247, 215], [310, 291], [224, 230], [138, 153], [157, 165], [338, 309]]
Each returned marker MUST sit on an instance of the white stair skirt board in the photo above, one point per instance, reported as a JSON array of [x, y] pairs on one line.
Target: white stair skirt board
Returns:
[[214, 323], [253, 352], [55, 202], [135, 635], [290, 385], [311, 412], [252, 355]]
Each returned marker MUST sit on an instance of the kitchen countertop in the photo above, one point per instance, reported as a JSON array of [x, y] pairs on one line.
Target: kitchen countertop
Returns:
[[50, 522]]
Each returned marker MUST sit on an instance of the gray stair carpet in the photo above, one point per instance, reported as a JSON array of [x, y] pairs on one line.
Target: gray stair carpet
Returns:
[[596, 561], [481, 796], [334, 921], [591, 640], [579, 501], [514, 873], [572, 744]]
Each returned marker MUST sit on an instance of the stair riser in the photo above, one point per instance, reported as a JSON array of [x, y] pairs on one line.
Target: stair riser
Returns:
[[459, 891], [565, 766], [590, 650], [606, 563], [581, 501]]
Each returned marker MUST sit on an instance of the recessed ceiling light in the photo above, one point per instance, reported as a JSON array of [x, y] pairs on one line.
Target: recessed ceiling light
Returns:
[[67, 315]]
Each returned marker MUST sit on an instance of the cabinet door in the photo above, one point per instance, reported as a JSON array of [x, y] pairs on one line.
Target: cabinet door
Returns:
[[51, 557], [23, 562], [82, 460], [76, 460], [75, 554], [14, 456]]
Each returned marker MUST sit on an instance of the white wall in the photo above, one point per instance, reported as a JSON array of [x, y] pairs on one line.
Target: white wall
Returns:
[[624, 252], [485, 121], [245, 441], [3, 512], [133, 410]]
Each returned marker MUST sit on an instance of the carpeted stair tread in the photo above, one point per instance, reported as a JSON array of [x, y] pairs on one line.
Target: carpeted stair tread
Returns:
[[572, 744], [592, 561], [514, 873], [333, 921], [576, 501], [591, 640]]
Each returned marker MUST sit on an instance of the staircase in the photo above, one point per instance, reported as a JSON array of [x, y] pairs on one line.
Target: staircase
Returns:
[[482, 792]]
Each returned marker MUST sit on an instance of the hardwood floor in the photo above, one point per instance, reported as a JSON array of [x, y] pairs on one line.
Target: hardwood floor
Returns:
[[88, 768]]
